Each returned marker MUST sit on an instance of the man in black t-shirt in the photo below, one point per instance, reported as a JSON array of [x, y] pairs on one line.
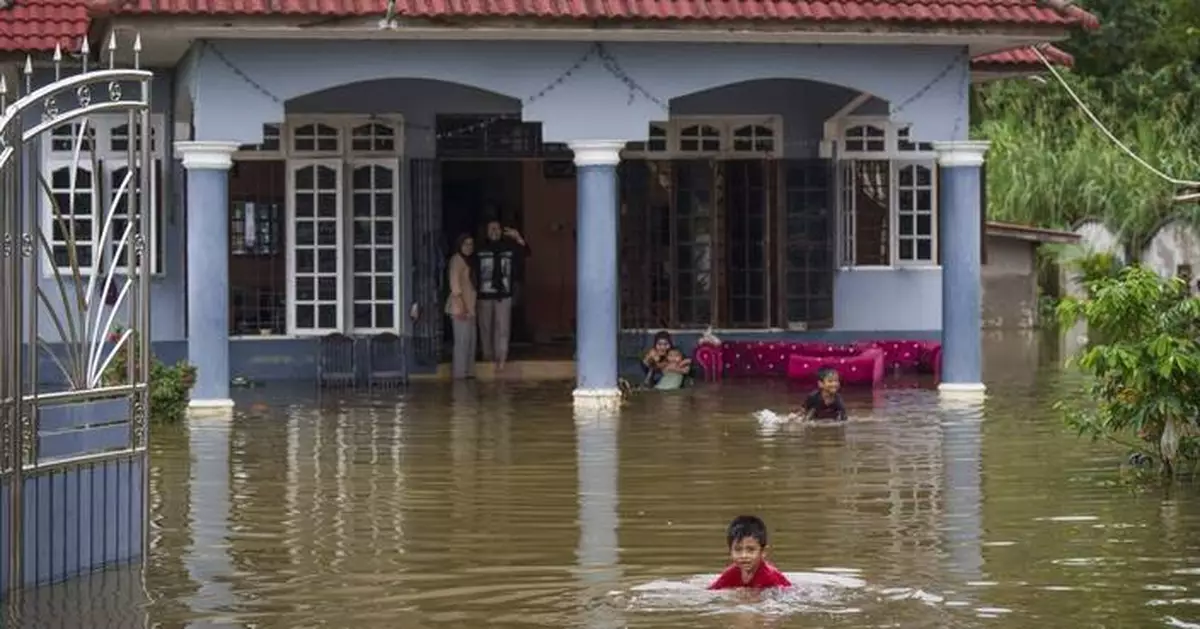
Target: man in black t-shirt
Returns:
[[499, 259]]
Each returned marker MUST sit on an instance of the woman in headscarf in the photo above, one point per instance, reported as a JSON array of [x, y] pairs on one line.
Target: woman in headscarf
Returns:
[[460, 305]]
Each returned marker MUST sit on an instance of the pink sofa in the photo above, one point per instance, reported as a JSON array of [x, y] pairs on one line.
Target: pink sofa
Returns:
[[864, 362]]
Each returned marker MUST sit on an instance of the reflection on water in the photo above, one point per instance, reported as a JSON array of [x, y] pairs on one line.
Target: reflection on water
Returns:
[[474, 504]]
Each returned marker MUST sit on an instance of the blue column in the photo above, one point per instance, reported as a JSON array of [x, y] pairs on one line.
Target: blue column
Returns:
[[961, 227], [207, 165], [596, 271]]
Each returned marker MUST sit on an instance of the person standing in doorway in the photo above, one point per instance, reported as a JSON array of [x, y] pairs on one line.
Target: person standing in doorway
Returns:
[[461, 306], [499, 257]]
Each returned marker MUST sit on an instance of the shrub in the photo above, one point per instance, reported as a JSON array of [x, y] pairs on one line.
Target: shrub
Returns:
[[1144, 362], [170, 385]]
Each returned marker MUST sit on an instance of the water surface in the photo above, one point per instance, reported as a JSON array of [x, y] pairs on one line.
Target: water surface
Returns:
[[496, 505]]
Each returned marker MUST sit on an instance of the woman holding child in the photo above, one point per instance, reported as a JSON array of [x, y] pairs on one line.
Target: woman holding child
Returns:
[[665, 366]]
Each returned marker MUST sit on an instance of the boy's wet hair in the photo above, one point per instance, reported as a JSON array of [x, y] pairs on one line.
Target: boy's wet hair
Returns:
[[825, 372], [663, 335], [745, 526]]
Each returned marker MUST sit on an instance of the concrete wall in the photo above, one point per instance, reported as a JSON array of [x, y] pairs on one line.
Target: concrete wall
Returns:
[[1176, 244], [1010, 294]]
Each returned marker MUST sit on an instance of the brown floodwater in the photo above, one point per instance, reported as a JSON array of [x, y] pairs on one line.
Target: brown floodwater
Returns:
[[495, 504]]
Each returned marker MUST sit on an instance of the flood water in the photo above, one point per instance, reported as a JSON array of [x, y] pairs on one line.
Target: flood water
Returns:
[[496, 505]]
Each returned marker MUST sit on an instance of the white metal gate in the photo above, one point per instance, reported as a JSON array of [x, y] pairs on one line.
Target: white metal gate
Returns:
[[74, 319]]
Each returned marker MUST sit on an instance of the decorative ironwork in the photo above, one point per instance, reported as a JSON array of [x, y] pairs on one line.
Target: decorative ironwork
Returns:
[[77, 296], [429, 262], [28, 442]]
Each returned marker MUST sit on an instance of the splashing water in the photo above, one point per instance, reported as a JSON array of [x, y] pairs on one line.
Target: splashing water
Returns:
[[811, 592]]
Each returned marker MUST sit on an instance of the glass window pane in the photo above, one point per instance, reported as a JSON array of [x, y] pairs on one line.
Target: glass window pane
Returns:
[[384, 316], [362, 288], [925, 250], [305, 317], [362, 316], [327, 288], [327, 260], [327, 316]]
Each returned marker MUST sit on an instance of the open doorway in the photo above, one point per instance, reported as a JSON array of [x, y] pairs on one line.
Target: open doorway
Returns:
[[537, 197], [519, 193]]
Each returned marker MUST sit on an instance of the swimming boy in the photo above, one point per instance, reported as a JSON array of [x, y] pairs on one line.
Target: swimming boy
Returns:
[[674, 370], [747, 539], [825, 403]]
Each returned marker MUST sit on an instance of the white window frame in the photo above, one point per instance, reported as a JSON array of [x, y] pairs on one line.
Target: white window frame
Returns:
[[339, 249], [725, 126], [921, 154], [346, 159], [894, 200], [397, 182], [101, 127]]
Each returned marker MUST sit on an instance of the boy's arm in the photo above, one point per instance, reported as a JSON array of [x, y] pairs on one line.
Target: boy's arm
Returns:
[[807, 407], [841, 409], [730, 578]]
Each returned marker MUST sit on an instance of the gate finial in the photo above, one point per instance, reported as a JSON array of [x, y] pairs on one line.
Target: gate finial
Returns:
[[57, 61], [85, 51], [137, 51], [3, 93], [28, 72], [112, 50]]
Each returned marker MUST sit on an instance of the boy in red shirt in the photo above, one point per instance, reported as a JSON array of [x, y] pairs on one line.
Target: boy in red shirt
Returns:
[[747, 538]]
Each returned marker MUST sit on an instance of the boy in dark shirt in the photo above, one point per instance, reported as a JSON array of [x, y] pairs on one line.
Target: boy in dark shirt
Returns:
[[825, 403], [747, 539]]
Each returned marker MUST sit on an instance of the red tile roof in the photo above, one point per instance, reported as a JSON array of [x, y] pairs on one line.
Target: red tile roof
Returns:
[[1009, 59], [929, 12], [40, 24]]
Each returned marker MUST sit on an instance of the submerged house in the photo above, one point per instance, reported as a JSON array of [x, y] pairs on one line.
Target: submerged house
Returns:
[[789, 168]]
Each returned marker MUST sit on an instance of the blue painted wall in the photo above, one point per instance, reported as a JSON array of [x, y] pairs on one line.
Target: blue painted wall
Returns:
[[591, 103]]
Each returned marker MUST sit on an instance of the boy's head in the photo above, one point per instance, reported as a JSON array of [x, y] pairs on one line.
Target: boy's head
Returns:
[[828, 380], [747, 539], [674, 355]]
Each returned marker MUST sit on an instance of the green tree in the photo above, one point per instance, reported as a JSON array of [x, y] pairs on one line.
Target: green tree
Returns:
[[1140, 74], [1144, 360]]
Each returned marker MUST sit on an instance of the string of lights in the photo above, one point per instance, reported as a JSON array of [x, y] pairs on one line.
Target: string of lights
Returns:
[[610, 63]]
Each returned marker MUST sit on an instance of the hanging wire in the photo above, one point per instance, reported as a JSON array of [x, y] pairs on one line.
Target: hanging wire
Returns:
[[1109, 134]]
